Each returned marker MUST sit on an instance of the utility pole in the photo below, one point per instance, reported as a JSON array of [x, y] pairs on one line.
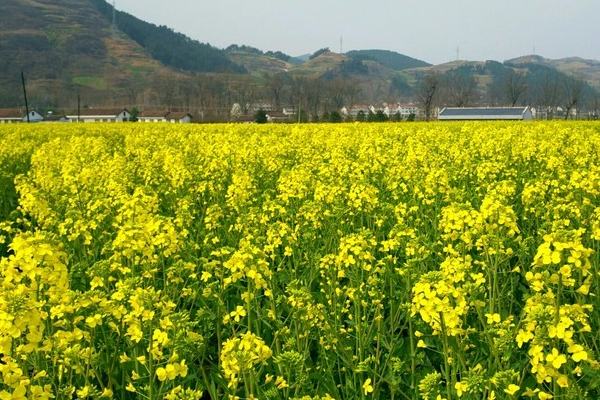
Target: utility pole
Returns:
[[25, 95], [114, 15]]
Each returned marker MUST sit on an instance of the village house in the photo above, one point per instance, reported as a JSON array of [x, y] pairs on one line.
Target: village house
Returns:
[[485, 114], [181, 117], [100, 115], [404, 110], [14, 115], [50, 117], [277, 116], [353, 111], [152, 116]]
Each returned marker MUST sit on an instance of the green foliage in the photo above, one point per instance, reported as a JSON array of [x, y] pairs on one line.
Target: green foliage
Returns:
[[253, 50], [335, 117], [378, 116], [352, 66], [319, 52], [260, 117], [360, 116]]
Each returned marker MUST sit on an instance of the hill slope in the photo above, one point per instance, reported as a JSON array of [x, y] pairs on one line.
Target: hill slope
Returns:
[[169, 47], [67, 48], [588, 70], [390, 59]]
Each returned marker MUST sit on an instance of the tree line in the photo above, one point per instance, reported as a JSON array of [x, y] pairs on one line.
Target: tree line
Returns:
[[552, 92]]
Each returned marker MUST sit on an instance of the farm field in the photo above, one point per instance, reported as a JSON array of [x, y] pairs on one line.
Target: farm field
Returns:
[[319, 261]]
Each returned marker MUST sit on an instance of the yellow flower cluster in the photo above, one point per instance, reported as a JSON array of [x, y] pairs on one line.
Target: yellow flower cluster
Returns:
[[555, 315], [240, 354]]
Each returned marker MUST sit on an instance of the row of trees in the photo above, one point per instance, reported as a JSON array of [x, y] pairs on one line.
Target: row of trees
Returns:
[[209, 97], [544, 88]]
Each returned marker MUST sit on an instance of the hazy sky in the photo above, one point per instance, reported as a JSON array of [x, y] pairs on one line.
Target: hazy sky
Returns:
[[430, 30]]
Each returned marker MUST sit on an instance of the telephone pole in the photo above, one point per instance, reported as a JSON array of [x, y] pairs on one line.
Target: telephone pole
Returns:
[[25, 95]]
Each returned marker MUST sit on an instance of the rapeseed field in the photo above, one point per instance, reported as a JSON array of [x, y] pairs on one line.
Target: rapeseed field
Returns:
[[309, 262]]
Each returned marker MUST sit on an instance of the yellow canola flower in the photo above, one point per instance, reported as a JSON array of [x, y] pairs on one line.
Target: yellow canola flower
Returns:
[[461, 387], [492, 318], [367, 387], [512, 389], [556, 359], [563, 381], [578, 353], [544, 396], [281, 383], [171, 371], [83, 392]]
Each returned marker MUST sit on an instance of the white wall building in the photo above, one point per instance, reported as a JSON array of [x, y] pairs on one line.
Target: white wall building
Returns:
[[100, 115]]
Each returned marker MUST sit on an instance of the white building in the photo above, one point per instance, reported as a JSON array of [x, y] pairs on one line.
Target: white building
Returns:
[[355, 110], [100, 115], [405, 110], [152, 116], [13, 115], [165, 116], [485, 114], [179, 117]]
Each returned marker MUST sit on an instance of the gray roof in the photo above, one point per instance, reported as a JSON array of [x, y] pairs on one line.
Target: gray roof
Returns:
[[483, 113], [499, 111]]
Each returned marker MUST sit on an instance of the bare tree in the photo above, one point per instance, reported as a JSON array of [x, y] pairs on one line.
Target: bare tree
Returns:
[[185, 93], [514, 86], [314, 95], [572, 94], [164, 88], [298, 93], [209, 96], [427, 93], [460, 88], [244, 93], [341, 90], [134, 86], [275, 86], [548, 92]]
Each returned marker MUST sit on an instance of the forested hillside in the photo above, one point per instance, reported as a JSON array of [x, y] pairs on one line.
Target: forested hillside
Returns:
[[169, 47], [390, 59]]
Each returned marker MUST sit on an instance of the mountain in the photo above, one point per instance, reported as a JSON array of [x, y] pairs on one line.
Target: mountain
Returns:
[[588, 70], [70, 48], [66, 48], [390, 59]]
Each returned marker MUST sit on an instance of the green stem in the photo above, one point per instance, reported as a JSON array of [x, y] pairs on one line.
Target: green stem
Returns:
[[446, 353]]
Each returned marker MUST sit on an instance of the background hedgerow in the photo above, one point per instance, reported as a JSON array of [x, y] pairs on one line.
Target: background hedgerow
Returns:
[[387, 261]]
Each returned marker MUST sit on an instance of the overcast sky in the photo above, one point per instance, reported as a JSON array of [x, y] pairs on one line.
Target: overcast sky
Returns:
[[430, 30]]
